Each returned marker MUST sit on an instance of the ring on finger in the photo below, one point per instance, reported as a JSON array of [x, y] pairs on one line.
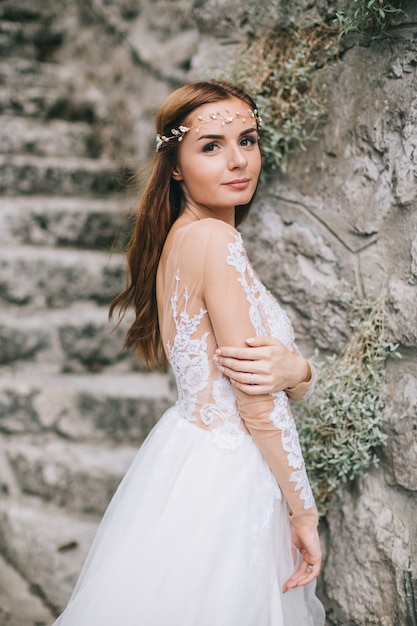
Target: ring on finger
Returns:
[[252, 379], [310, 567]]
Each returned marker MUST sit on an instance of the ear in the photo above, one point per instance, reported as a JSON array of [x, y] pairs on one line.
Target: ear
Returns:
[[176, 174]]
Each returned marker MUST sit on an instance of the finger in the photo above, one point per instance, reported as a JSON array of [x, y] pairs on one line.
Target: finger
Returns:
[[241, 377], [242, 354], [234, 353], [246, 367], [305, 574], [257, 342], [251, 390], [292, 583]]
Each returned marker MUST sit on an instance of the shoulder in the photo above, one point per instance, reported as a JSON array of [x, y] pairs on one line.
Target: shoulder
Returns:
[[210, 232], [209, 244]]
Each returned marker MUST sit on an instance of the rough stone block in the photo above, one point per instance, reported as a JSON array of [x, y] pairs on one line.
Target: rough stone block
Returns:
[[34, 39], [120, 408], [19, 606], [17, 412], [74, 340], [88, 408], [22, 11], [79, 477], [402, 320], [20, 343], [168, 56], [222, 19], [28, 73], [91, 346], [120, 419], [55, 138], [76, 222], [365, 566], [12, 34], [400, 425], [28, 87], [47, 91], [63, 176], [310, 275], [55, 278], [46, 545], [233, 18]]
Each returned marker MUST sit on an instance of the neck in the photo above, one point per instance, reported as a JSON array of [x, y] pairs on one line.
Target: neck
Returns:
[[201, 213]]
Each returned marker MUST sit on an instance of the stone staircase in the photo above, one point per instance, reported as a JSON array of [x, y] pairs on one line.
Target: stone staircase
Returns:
[[73, 406]]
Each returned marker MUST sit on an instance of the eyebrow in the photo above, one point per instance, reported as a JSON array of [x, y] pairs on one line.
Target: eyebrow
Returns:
[[247, 131]]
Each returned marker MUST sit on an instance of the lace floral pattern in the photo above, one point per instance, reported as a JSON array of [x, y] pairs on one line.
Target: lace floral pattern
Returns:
[[223, 411], [268, 318], [190, 364], [188, 357]]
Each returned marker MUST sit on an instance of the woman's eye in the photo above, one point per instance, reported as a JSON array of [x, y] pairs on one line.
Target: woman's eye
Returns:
[[210, 147], [248, 141]]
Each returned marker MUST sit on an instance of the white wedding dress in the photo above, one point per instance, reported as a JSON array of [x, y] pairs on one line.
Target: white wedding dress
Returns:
[[198, 532]]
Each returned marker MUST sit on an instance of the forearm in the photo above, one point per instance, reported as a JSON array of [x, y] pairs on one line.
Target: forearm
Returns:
[[274, 431], [305, 387]]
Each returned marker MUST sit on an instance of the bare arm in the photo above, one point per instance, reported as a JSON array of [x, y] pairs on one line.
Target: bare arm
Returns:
[[266, 366]]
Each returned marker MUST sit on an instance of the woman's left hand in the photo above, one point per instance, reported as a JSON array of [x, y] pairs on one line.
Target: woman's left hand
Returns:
[[306, 539], [264, 367]]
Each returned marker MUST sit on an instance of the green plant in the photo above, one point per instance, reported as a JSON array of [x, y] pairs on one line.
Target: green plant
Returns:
[[283, 69], [367, 19], [340, 425]]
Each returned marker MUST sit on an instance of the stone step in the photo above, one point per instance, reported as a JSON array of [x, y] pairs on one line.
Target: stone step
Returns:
[[19, 606], [37, 89], [46, 545], [31, 39], [31, 73], [88, 408], [75, 339], [47, 277], [13, 35], [21, 339], [25, 11], [53, 138], [78, 476], [77, 222], [64, 176], [31, 88]]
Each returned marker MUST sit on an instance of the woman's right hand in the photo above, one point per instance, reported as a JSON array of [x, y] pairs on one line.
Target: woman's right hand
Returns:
[[264, 367]]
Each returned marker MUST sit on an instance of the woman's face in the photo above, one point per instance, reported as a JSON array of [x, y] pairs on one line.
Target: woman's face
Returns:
[[219, 161]]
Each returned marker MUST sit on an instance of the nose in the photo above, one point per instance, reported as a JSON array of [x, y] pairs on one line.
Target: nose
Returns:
[[237, 158]]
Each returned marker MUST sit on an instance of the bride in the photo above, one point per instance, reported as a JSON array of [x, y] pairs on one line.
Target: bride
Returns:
[[214, 523]]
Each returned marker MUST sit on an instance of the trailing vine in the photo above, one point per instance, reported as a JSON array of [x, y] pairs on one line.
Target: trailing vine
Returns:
[[285, 68], [340, 426]]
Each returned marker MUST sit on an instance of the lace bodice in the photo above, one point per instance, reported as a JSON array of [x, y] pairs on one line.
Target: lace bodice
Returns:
[[188, 356], [209, 295]]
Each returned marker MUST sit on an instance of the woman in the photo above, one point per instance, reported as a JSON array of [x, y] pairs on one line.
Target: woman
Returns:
[[214, 524]]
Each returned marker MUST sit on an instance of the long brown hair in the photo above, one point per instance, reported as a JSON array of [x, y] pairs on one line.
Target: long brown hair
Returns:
[[159, 207]]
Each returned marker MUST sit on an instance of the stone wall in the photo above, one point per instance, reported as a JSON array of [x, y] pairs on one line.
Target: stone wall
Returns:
[[79, 84], [345, 213]]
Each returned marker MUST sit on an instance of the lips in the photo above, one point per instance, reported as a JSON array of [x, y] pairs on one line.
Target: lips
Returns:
[[238, 183]]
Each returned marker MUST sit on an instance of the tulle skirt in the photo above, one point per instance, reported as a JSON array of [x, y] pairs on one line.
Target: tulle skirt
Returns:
[[195, 535]]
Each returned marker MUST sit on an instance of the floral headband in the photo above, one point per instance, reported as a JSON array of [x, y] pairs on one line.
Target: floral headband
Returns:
[[181, 131]]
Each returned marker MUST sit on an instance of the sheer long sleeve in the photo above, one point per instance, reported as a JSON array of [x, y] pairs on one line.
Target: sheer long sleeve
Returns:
[[237, 303], [304, 389]]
